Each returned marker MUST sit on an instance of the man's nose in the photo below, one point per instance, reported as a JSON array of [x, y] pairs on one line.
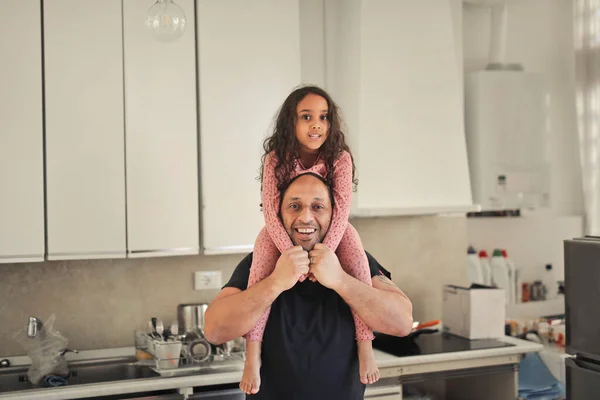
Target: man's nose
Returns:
[[306, 215]]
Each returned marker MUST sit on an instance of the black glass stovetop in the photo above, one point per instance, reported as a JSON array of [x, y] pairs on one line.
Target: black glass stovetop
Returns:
[[430, 342]]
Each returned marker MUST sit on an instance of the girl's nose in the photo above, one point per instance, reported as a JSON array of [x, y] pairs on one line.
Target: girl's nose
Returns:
[[315, 126]]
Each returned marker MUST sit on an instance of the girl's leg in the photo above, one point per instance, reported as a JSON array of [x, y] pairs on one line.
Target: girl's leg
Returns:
[[264, 259], [353, 259]]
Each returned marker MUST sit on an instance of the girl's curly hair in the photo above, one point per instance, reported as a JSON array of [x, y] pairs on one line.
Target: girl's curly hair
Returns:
[[284, 144]]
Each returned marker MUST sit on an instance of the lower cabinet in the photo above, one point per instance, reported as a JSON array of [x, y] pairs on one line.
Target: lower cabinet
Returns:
[[490, 383]]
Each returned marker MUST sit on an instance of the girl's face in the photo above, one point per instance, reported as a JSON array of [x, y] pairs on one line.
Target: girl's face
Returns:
[[312, 125]]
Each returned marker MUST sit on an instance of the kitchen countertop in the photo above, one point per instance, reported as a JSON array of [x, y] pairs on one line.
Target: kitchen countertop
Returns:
[[385, 362]]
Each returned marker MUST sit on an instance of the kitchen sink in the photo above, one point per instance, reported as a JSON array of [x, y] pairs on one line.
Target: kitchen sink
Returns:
[[81, 373]]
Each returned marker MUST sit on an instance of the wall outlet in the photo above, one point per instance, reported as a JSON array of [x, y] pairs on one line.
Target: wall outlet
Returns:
[[205, 280]]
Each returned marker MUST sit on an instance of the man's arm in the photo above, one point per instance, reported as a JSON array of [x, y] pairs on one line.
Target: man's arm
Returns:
[[383, 306], [234, 312]]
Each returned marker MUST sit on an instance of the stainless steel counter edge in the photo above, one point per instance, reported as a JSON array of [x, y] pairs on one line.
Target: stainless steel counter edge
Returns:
[[123, 387], [384, 360]]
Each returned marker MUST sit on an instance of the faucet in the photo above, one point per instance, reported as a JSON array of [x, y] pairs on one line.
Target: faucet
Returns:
[[65, 351], [33, 327]]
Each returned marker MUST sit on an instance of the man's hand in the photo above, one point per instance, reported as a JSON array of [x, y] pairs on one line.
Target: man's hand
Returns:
[[290, 267], [325, 266]]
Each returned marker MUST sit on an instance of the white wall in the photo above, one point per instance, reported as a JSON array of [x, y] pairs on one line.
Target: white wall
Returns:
[[312, 42], [540, 37]]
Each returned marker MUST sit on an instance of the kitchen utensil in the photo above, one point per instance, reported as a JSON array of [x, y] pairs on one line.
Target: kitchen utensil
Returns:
[[199, 349], [426, 324], [190, 317], [167, 354], [160, 328]]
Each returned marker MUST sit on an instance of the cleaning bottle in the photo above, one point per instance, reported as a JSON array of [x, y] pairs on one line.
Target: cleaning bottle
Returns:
[[500, 277], [486, 271], [474, 274]]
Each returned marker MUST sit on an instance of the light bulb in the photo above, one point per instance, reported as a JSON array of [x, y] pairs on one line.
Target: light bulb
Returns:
[[166, 20]]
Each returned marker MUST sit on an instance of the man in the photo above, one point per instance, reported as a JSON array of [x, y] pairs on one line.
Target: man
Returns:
[[309, 348]]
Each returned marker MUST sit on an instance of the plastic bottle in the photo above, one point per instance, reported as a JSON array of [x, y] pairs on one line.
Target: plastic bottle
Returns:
[[500, 277], [474, 274], [512, 276], [486, 270]]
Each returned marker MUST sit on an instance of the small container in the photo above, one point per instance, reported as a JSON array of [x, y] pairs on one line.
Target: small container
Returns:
[[167, 354], [538, 291], [525, 292]]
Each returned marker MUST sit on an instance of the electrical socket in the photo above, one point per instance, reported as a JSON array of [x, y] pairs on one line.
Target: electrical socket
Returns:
[[207, 280]]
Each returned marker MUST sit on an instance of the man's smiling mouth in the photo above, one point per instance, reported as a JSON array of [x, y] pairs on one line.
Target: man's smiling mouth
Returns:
[[306, 231]]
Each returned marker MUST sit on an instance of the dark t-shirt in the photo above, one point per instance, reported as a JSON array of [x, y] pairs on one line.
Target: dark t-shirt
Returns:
[[309, 348]]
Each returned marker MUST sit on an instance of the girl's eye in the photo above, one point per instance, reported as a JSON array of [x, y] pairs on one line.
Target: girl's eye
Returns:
[[305, 117], [324, 117]]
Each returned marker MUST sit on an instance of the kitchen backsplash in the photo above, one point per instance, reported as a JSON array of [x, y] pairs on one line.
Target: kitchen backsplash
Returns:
[[98, 303]]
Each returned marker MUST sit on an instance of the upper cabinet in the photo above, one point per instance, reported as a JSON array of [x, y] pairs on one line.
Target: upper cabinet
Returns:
[[85, 159], [391, 66], [248, 62], [21, 133], [161, 136]]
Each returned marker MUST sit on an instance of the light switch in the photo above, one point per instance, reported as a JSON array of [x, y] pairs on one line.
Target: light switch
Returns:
[[207, 280]]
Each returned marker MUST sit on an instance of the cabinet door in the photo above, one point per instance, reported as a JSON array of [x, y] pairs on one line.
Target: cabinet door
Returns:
[[21, 133], [161, 136], [392, 68], [84, 129], [246, 68]]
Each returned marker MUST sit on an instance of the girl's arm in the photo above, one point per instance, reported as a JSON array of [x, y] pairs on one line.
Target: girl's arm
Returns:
[[342, 195], [270, 202]]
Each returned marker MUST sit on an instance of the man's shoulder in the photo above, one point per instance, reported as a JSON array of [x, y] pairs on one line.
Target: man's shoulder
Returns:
[[241, 274]]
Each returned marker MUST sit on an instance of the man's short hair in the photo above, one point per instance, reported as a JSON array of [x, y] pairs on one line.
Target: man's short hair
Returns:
[[319, 177]]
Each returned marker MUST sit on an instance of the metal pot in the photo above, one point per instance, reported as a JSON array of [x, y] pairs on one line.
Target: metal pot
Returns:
[[191, 317]]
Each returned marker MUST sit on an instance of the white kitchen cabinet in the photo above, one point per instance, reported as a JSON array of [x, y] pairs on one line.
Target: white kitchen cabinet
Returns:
[[161, 136], [21, 133], [84, 129], [391, 66], [246, 66]]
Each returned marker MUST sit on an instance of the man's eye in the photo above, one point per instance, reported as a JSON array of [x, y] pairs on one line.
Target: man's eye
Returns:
[[319, 207], [293, 207]]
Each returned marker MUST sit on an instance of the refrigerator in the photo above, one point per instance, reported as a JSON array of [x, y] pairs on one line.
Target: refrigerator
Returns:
[[582, 309]]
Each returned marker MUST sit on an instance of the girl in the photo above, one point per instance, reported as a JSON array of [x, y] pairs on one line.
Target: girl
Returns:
[[307, 137]]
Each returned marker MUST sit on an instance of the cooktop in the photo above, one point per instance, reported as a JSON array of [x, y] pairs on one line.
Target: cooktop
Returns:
[[431, 342]]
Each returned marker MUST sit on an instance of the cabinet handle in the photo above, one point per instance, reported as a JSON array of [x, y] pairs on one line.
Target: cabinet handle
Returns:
[[179, 251]]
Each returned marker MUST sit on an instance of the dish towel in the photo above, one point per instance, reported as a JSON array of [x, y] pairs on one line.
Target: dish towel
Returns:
[[53, 381], [535, 380]]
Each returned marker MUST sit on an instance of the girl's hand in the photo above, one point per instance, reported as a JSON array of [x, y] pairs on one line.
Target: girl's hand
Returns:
[[325, 266]]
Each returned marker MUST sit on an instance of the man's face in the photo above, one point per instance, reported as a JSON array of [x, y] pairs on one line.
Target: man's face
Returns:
[[306, 211]]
